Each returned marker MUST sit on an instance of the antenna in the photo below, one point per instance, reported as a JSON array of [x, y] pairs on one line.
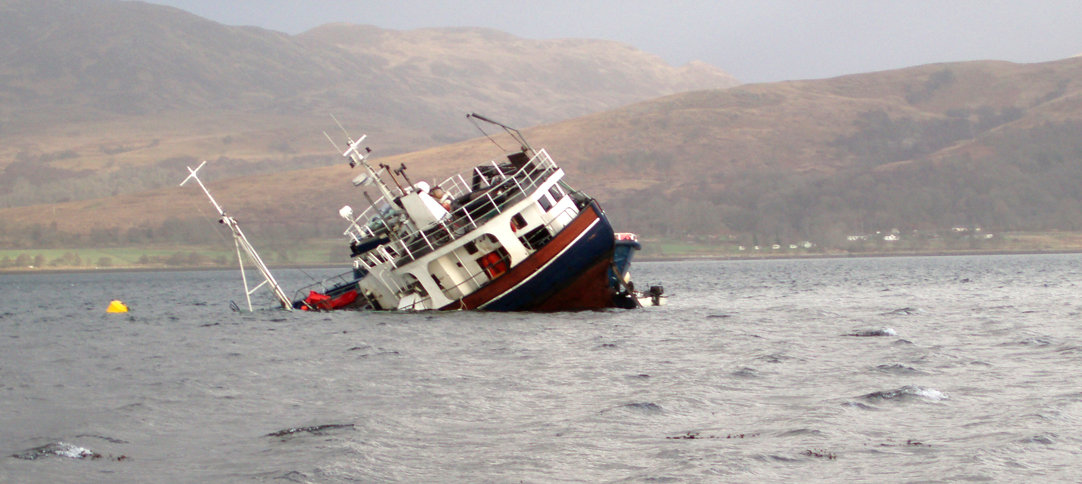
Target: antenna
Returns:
[[342, 128], [241, 242], [336, 148]]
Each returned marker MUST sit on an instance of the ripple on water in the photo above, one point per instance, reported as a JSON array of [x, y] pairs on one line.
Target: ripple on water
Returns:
[[775, 358], [898, 369], [648, 408], [800, 433], [872, 333], [860, 406], [1034, 341], [1044, 439], [906, 393], [746, 373]]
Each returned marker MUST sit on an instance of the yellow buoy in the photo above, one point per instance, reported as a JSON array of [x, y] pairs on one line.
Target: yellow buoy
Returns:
[[116, 307]]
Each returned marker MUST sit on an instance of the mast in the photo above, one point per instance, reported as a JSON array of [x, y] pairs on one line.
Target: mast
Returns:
[[357, 158], [241, 242]]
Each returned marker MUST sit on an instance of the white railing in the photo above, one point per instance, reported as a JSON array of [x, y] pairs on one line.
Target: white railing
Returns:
[[325, 285], [496, 190]]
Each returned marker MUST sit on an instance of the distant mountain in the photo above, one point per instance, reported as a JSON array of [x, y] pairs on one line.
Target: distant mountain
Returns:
[[463, 67], [990, 144], [94, 86]]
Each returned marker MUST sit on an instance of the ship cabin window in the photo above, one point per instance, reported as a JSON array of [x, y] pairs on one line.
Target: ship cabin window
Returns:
[[556, 193], [517, 222], [439, 283], [471, 248], [536, 238], [545, 202]]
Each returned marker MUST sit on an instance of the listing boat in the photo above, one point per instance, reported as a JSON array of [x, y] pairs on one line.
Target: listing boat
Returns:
[[507, 235]]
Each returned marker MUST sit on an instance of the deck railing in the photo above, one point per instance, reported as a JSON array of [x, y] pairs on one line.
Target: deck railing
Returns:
[[324, 286], [497, 189]]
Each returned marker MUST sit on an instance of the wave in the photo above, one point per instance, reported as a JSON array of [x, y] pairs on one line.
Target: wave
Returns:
[[746, 372], [1044, 439], [905, 393], [56, 449], [645, 407], [871, 333], [899, 369], [102, 437], [862, 406]]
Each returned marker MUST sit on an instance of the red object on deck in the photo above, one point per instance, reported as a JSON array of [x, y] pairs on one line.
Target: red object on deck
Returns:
[[318, 301]]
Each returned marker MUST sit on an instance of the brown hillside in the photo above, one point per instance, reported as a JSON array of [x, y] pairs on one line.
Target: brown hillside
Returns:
[[112, 94], [979, 143]]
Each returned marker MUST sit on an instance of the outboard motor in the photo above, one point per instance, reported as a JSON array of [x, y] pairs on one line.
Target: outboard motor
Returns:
[[655, 294]]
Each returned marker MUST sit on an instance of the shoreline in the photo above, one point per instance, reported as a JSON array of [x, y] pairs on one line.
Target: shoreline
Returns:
[[684, 258], [74, 270], [675, 258]]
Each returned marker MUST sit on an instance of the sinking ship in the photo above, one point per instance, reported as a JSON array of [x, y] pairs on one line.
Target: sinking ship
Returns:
[[507, 235]]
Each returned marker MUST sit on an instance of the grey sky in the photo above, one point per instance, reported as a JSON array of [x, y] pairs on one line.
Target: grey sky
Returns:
[[756, 41]]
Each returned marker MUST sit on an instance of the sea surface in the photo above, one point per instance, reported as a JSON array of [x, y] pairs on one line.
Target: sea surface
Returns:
[[922, 369]]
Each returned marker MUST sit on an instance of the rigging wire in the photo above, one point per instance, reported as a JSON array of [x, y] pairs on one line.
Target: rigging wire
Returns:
[[479, 128]]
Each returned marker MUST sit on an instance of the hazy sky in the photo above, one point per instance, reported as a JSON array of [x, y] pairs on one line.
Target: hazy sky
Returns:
[[757, 41]]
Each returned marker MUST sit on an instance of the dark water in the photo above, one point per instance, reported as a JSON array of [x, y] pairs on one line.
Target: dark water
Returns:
[[880, 370]]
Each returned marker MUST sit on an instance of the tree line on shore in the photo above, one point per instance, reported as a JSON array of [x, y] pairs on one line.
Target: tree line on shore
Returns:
[[74, 261]]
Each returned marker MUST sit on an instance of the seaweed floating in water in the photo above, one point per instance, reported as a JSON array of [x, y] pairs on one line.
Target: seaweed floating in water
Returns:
[[908, 443], [695, 436], [316, 430], [688, 436], [822, 454]]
